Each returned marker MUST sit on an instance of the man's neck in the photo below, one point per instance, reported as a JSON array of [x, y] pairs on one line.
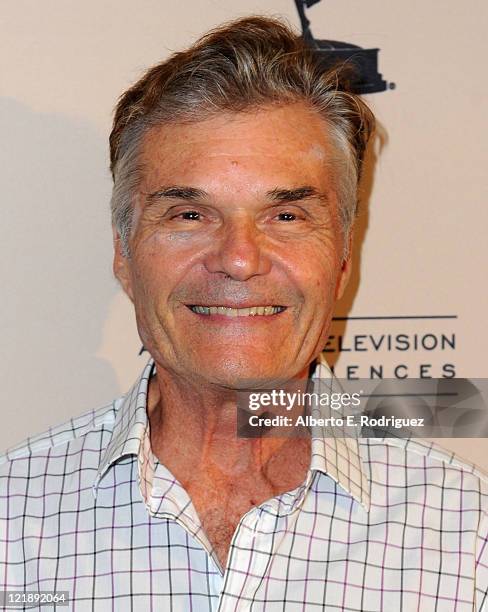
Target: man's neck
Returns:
[[193, 432]]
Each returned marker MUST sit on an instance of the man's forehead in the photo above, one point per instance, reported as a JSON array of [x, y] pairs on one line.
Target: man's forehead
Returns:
[[279, 147], [239, 134]]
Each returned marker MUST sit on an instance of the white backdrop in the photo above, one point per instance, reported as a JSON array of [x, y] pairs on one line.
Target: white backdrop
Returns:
[[68, 333]]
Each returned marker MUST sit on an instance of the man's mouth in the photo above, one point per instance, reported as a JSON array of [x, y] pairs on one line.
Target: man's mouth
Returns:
[[251, 311]]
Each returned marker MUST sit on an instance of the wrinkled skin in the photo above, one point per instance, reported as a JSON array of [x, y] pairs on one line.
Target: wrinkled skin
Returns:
[[238, 247]]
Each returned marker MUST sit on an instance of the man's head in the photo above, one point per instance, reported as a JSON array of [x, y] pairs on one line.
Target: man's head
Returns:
[[235, 167]]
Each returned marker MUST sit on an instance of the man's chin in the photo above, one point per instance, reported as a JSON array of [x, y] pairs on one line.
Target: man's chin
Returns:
[[241, 374]]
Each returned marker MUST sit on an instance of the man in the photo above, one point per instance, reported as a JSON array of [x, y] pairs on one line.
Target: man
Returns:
[[235, 167]]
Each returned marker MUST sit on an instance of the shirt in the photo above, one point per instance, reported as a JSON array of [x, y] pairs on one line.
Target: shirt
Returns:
[[378, 525]]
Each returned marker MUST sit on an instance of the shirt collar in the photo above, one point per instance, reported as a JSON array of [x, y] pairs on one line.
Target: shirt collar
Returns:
[[336, 452], [129, 427], [337, 456]]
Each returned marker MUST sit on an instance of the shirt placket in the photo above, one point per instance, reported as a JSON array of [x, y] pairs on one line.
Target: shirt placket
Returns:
[[255, 540]]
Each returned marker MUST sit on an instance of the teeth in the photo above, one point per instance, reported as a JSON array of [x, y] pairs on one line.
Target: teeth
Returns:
[[237, 312], [200, 309]]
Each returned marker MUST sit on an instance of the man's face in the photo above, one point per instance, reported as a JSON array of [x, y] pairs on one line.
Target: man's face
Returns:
[[236, 213]]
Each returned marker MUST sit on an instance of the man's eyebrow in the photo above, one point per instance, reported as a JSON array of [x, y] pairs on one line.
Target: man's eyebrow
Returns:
[[294, 195], [177, 192], [192, 194]]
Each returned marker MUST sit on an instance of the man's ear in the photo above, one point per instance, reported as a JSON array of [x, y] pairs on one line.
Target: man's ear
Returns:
[[121, 265], [346, 268]]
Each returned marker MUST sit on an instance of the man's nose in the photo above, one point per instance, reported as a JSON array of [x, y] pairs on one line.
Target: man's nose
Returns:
[[239, 251]]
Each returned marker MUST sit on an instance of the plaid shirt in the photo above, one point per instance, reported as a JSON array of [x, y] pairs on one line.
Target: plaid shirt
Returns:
[[378, 524]]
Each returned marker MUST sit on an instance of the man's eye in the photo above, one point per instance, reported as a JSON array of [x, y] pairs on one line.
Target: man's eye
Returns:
[[287, 216], [190, 215]]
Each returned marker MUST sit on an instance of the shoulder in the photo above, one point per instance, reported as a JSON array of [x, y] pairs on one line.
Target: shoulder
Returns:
[[61, 440], [427, 460]]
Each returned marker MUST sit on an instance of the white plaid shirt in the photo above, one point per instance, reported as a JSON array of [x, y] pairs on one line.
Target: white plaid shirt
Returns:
[[378, 525]]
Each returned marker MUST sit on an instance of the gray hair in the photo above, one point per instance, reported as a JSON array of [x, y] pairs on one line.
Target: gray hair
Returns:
[[246, 64]]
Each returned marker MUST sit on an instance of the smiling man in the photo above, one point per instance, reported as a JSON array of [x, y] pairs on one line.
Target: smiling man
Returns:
[[242, 208], [235, 167]]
